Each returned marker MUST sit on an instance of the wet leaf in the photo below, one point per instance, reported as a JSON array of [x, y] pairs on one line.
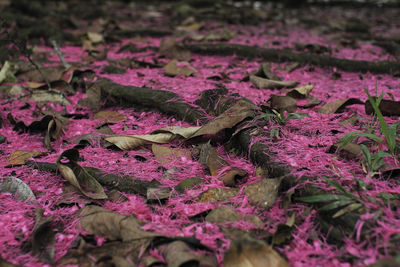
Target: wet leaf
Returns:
[[224, 214], [285, 103], [248, 252], [166, 155], [78, 176], [108, 116], [301, 92], [262, 83], [43, 239], [17, 188], [174, 68], [338, 105], [264, 192], [19, 157]]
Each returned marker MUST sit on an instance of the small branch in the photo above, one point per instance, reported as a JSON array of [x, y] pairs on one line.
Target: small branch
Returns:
[[65, 64]]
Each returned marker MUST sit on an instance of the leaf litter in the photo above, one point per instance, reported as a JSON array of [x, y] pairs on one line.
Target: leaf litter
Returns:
[[167, 222]]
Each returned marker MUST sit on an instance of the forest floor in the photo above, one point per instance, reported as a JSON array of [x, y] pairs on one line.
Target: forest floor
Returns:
[[195, 134]]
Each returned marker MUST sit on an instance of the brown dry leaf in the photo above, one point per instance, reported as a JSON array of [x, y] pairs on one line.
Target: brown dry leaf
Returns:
[[166, 155], [78, 176], [264, 71], [43, 238], [111, 225], [19, 157], [95, 37], [108, 116], [17, 188], [301, 92], [230, 176], [241, 110], [351, 150], [185, 132], [264, 192], [45, 96], [174, 68], [283, 102], [174, 50], [178, 253], [192, 27], [54, 131], [262, 83], [224, 214], [336, 106], [387, 107], [125, 142], [218, 194], [51, 74], [93, 99], [248, 252]]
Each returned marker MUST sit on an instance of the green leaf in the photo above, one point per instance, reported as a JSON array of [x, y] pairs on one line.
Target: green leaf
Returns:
[[373, 137], [320, 198], [366, 153], [336, 204], [348, 138], [349, 208], [341, 188]]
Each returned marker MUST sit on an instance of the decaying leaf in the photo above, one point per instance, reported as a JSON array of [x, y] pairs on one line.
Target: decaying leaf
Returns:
[[17, 188], [248, 252], [19, 157], [43, 238], [111, 225], [126, 142], [301, 92], [219, 167], [174, 68], [285, 103], [264, 192], [165, 155], [224, 214], [218, 194], [350, 150], [284, 231], [109, 116], [174, 49], [51, 74], [262, 83], [158, 193], [7, 73], [54, 131], [264, 71], [387, 107], [93, 99], [45, 96], [338, 105], [188, 183], [78, 176], [179, 253]]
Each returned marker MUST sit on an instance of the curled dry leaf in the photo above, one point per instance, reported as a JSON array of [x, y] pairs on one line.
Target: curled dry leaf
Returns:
[[17, 188], [264, 71], [126, 142], [248, 252], [301, 92], [219, 167], [285, 103], [78, 176], [224, 214], [179, 253], [54, 131], [262, 83], [174, 68], [264, 192], [43, 237], [185, 132], [111, 225], [338, 105]]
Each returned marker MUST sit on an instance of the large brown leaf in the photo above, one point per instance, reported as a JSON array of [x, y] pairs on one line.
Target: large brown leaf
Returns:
[[43, 238], [126, 142], [248, 252], [264, 192], [262, 83], [387, 107], [338, 105], [224, 214], [78, 176]]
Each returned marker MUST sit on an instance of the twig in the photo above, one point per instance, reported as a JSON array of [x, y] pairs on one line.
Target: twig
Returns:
[[65, 64]]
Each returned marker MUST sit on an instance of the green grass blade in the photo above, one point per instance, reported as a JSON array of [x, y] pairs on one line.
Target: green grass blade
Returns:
[[320, 198], [336, 204]]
